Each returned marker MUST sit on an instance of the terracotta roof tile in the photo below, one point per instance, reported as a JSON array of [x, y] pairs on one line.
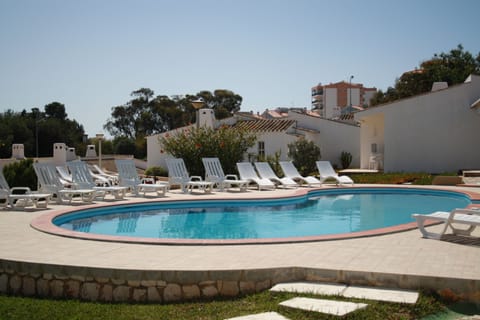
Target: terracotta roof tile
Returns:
[[274, 125]]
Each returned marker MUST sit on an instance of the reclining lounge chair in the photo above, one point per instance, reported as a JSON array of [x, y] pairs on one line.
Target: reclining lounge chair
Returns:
[[247, 172], [214, 173], [468, 217], [49, 182], [266, 172], [82, 179], [128, 177], [178, 175], [291, 172], [326, 172], [21, 197]]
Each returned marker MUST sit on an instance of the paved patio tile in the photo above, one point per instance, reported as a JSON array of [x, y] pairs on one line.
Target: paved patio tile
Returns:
[[261, 316], [313, 288], [338, 308], [381, 294]]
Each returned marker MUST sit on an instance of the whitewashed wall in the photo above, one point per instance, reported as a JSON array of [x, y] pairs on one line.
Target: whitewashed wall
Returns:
[[334, 137], [274, 142], [434, 132]]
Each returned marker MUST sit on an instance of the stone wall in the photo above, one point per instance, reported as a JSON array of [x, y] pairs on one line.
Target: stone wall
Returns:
[[147, 286]]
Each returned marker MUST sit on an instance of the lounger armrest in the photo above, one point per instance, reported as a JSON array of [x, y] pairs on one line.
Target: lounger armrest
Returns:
[[231, 177], [196, 178], [20, 190], [475, 211]]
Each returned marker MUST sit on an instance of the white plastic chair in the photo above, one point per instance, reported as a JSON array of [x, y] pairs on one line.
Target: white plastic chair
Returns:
[[178, 175], [214, 173], [266, 172], [49, 182], [247, 172], [82, 179], [326, 172], [128, 177], [291, 172], [468, 217], [21, 197]]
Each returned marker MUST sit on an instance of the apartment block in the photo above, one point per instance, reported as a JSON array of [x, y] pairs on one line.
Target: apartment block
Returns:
[[335, 99]]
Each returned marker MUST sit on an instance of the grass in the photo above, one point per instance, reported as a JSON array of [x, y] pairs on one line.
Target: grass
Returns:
[[39, 309], [396, 178]]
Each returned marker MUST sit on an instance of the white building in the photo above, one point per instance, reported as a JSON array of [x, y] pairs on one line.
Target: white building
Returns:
[[274, 135], [334, 99], [433, 132]]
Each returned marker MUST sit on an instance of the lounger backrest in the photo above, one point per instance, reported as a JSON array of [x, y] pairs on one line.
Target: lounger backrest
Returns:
[[265, 171], [325, 169], [177, 171], [127, 172], [47, 175], [213, 169], [81, 176], [3, 183], [246, 171], [64, 173], [289, 169]]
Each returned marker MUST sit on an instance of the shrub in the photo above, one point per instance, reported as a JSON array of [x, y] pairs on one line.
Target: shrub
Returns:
[[156, 171], [193, 144], [21, 174], [346, 159], [304, 154]]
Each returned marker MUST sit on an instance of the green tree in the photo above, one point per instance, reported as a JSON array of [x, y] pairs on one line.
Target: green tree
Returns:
[[21, 174], [304, 154], [452, 67], [193, 144], [223, 102], [46, 128]]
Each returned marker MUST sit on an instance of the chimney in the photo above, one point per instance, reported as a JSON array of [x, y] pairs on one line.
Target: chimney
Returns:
[[206, 118], [18, 151]]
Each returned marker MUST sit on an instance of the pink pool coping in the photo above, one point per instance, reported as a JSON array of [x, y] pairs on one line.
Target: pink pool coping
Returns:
[[44, 222]]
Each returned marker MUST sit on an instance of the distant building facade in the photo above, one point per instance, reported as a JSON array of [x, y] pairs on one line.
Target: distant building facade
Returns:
[[335, 99]]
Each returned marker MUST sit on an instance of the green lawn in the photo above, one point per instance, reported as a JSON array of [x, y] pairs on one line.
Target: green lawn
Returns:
[[38, 309]]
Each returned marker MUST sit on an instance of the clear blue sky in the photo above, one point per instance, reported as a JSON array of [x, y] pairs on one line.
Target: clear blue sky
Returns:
[[91, 54]]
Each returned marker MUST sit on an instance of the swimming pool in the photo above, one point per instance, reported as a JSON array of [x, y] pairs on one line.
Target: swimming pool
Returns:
[[311, 216]]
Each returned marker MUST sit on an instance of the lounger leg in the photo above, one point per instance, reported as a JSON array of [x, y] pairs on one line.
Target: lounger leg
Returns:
[[463, 232], [425, 233]]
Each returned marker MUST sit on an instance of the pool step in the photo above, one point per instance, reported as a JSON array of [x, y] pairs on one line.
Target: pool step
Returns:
[[336, 308], [379, 294]]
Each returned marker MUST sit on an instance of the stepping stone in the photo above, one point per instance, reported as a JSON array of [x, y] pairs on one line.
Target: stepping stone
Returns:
[[380, 294], [261, 316], [338, 308], [313, 288]]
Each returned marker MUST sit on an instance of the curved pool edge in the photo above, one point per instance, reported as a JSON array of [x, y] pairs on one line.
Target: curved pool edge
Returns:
[[44, 223]]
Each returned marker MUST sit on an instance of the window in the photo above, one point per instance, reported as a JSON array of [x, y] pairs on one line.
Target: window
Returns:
[[261, 148]]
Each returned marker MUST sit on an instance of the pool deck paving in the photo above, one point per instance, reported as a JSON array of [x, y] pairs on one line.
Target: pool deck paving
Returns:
[[404, 254]]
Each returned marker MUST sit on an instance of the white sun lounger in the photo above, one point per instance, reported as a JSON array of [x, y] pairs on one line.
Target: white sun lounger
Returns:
[[266, 172], [214, 173], [178, 175], [468, 217], [49, 182], [291, 172], [95, 169], [326, 172], [82, 179], [128, 177], [21, 197], [247, 172]]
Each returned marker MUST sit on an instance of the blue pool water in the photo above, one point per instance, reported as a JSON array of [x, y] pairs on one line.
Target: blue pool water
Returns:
[[318, 213]]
